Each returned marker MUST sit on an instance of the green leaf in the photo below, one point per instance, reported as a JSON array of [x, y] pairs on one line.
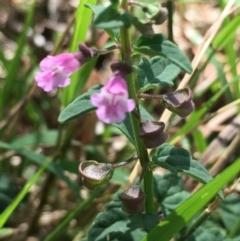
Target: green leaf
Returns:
[[156, 72], [234, 239], [207, 233], [126, 128], [172, 202], [175, 221], [167, 185], [34, 139], [134, 235], [50, 137], [95, 8], [179, 160], [114, 223], [159, 45], [229, 211], [151, 10], [8, 191], [80, 106], [113, 33], [10, 209], [109, 17], [144, 28], [39, 159]]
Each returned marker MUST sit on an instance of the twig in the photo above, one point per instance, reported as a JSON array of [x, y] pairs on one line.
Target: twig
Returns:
[[224, 157]]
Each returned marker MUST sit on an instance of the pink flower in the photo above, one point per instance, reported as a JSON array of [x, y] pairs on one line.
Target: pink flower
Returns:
[[112, 101], [55, 71]]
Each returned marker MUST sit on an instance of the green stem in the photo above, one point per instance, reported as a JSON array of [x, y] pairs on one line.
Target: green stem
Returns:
[[141, 150], [120, 164], [170, 20]]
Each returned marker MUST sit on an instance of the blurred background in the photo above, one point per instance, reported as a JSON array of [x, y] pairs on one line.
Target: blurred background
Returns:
[[207, 31]]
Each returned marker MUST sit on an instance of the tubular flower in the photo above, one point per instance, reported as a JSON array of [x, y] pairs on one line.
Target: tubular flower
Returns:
[[56, 70], [112, 101]]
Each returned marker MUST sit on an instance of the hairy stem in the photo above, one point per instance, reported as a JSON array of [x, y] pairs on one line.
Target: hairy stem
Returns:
[[141, 150], [120, 164], [149, 96]]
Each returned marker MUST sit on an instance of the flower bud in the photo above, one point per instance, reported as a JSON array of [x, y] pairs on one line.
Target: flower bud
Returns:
[[152, 133], [85, 53], [133, 200], [55, 71], [180, 102], [121, 68], [95, 174]]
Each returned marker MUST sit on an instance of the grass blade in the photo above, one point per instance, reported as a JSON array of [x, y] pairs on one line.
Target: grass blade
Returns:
[[9, 210], [15, 63], [83, 18], [174, 222], [72, 214]]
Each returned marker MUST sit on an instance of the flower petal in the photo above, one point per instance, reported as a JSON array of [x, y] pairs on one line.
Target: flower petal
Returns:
[[112, 101], [130, 105], [43, 80], [47, 63], [116, 86], [68, 61], [97, 99], [102, 114], [60, 78]]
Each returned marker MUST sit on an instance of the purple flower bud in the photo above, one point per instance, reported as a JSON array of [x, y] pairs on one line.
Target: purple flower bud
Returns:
[[179, 102], [85, 53], [152, 133], [112, 101], [95, 174], [121, 68], [133, 200], [56, 70]]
